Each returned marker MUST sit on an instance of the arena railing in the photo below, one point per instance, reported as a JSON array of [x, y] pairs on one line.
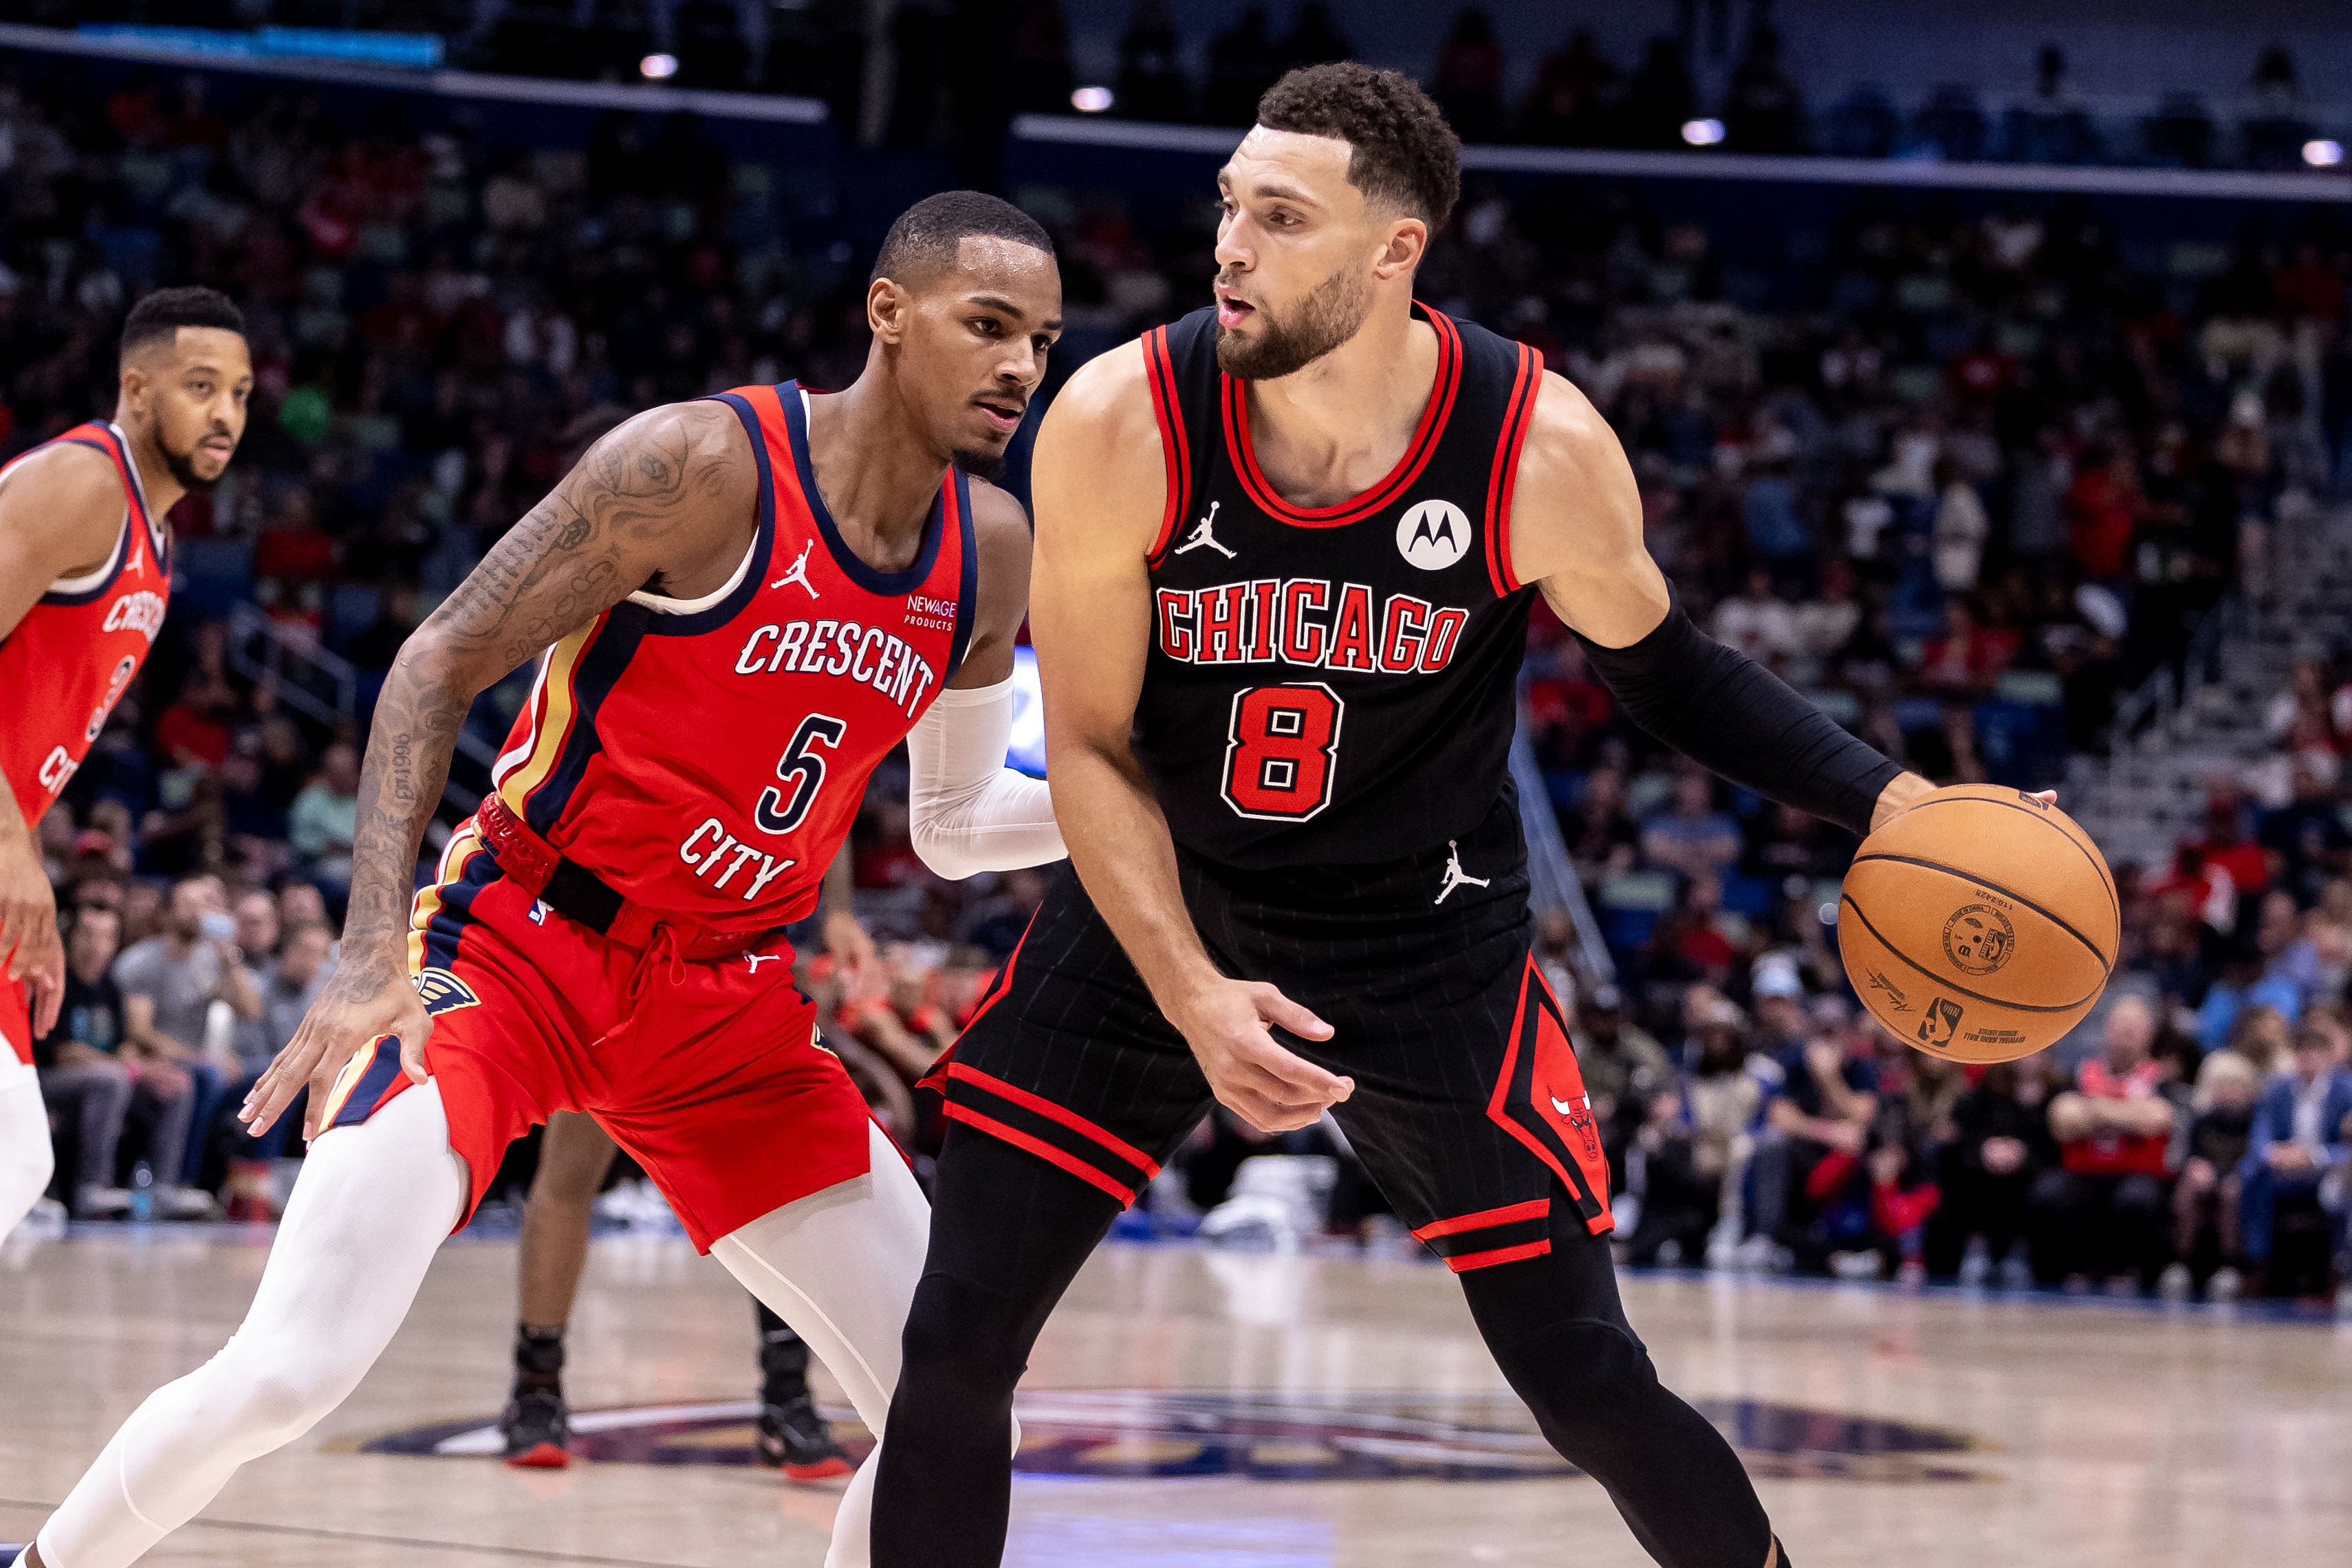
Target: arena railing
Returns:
[[1211, 142]]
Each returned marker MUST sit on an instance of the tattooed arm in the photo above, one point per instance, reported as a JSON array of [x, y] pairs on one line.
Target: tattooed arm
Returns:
[[672, 494]]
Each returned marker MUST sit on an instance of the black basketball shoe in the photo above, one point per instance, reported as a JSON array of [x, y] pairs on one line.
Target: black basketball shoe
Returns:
[[793, 1438], [537, 1426]]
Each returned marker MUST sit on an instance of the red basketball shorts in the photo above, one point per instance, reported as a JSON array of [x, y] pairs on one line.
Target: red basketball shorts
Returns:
[[707, 1072], [16, 1018]]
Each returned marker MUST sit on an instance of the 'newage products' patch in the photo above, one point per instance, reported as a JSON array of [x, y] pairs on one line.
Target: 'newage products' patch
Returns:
[[444, 992]]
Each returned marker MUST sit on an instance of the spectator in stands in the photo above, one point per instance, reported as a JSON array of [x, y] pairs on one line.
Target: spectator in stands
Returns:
[[326, 817], [1757, 621], [1467, 82], [84, 1079], [1763, 111], [2206, 1199], [1961, 529], [1693, 837], [171, 984], [1624, 1070], [1823, 1104], [1569, 105], [2301, 1133], [2000, 1145], [1659, 99], [2101, 1214], [288, 982], [1694, 1134], [2291, 967], [1150, 84]]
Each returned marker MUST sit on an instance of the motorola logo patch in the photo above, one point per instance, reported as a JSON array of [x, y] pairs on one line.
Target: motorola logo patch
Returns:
[[1433, 534]]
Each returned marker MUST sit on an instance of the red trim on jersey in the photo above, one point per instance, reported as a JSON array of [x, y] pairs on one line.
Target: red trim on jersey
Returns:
[[995, 994], [1052, 1112], [1417, 452], [1534, 1208], [1039, 1147], [1469, 1260], [1175, 447], [1518, 415]]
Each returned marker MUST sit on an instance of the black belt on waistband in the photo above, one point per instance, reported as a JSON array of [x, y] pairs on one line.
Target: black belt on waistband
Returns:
[[578, 894]]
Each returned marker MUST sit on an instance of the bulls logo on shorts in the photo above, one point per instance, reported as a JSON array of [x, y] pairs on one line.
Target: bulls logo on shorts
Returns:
[[1539, 1099]]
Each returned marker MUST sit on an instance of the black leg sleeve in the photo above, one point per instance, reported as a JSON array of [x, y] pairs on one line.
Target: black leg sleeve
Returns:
[[1559, 1333], [1008, 1231]]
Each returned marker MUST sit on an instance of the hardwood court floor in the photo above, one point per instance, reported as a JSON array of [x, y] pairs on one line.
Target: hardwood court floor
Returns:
[[1933, 1431]]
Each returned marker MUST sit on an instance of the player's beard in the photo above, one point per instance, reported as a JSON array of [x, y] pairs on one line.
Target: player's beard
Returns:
[[1332, 313], [182, 465], [981, 462]]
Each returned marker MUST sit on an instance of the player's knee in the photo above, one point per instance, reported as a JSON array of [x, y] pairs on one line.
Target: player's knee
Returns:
[[1582, 1377], [269, 1406], [959, 1347]]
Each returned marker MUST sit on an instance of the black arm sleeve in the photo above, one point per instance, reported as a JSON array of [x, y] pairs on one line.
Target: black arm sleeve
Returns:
[[1733, 717]]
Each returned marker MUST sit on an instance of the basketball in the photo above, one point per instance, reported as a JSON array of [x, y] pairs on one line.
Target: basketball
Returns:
[[1979, 925]]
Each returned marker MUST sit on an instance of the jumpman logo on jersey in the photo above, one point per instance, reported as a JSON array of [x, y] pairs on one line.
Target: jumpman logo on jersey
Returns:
[[1205, 532], [757, 959], [1455, 875], [799, 574]]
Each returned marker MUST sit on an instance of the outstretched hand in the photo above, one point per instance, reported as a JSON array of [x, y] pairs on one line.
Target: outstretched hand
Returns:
[[366, 1001]]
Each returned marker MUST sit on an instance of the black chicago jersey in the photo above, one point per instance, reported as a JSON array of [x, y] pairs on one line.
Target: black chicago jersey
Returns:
[[1334, 685]]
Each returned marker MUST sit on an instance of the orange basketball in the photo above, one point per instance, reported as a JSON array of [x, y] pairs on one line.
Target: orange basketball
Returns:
[[1979, 925]]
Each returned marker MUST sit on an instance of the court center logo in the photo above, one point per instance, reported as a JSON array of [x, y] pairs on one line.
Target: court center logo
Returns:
[[1978, 939], [1433, 534], [1144, 1433]]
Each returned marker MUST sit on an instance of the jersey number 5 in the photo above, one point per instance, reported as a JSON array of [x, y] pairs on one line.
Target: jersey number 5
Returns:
[[1280, 751], [802, 773]]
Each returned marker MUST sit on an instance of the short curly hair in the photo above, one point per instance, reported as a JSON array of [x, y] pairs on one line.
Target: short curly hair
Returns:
[[1403, 152]]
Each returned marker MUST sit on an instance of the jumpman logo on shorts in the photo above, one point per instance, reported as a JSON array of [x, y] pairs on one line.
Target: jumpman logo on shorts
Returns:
[[1455, 875], [757, 959], [799, 574], [1205, 533]]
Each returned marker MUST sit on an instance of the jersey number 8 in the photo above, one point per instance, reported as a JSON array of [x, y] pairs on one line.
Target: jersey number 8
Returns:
[[802, 773], [1280, 751]]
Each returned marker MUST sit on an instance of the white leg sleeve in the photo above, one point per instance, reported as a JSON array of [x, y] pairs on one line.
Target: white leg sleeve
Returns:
[[373, 1204], [840, 1267], [25, 1159]]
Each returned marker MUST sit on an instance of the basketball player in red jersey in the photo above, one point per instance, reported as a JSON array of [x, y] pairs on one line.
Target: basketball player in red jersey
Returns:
[[751, 601], [1287, 548], [85, 574]]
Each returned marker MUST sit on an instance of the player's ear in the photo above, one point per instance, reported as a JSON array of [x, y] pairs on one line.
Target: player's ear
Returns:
[[1407, 242], [887, 307], [136, 386]]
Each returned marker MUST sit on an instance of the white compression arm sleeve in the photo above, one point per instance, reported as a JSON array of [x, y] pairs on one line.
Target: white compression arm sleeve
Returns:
[[969, 812]]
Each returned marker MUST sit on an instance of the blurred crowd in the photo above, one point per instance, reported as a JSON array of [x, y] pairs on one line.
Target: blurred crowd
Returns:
[[954, 72], [1962, 475]]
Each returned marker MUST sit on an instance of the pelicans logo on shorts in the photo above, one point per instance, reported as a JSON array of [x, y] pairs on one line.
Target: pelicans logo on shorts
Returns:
[[444, 992]]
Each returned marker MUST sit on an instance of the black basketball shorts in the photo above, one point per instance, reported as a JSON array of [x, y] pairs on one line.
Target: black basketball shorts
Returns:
[[1469, 1110]]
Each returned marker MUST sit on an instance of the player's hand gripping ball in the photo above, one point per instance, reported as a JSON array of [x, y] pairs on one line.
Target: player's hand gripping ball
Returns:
[[1979, 925]]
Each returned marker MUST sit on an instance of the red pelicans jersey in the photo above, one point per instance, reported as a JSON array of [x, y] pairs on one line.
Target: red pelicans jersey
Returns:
[[66, 663], [708, 757]]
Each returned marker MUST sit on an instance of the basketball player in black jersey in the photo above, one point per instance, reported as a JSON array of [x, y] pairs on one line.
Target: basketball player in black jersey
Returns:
[[1285, 553]]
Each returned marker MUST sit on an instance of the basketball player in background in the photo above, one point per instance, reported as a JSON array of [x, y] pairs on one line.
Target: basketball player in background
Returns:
[[750, 600], [1286, 550], [85, 575]]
